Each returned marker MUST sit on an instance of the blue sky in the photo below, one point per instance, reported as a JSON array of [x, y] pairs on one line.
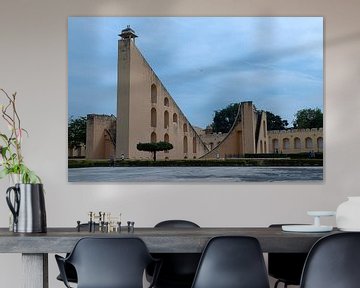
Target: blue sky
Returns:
[[205, 63]]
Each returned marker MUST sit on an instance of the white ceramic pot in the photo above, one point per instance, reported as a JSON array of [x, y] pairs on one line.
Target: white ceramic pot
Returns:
[[348, 215]]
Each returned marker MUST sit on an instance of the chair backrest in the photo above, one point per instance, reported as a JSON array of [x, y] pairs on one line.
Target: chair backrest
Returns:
[[232, 262], [110, 262], [176, 224], [333, 262], [178, 269]]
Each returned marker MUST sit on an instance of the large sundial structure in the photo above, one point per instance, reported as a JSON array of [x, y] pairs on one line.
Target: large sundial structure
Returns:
[[146, 112]]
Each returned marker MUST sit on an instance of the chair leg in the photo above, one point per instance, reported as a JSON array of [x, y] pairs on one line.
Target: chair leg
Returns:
[[279, 281]]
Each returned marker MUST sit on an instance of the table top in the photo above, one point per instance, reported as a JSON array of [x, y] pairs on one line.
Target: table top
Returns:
[[158, 240]]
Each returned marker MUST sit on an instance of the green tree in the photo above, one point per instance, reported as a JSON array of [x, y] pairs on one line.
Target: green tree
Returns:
[[154, 147], [308, 118], [76, 131], [225, 118], [274, 122]]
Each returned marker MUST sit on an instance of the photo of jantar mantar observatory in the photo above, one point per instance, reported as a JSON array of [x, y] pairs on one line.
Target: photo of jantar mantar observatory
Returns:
[[195, 99]]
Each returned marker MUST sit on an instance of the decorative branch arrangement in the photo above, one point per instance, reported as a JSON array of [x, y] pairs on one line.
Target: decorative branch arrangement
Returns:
[[11, 158]]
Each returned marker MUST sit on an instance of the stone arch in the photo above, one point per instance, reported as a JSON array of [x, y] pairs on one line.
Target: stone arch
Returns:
[[153, 137], [153, 117], [175, 118], [211, 145], [265, 149], [166, 102], [275, 144], [194, 144], [286, 144], [153, 93], [308, 143], [185, 144], [320, 143], [264, 128], [185, 129], [297, 143], [166, 119]]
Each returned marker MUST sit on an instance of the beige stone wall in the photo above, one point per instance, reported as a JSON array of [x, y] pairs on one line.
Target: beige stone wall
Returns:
[[140, 92], [232, 144], [211, 140], [77, 151], [123, 102], [99, 144], [295, 140], [262, 145], [250, 136], [248, 127], [250, 121], [247, 135]]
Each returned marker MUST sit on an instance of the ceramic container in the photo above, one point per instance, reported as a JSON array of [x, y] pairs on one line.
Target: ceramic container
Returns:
[[348, 215], [27, 207]]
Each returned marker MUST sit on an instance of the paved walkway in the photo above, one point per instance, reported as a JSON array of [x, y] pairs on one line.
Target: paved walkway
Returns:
[[195, 174]]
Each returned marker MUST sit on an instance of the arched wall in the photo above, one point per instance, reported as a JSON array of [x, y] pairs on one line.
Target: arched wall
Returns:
[[248, 135], [294, 136]]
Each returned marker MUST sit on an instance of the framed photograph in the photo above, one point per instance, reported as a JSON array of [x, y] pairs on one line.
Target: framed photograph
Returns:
[[195, 99]]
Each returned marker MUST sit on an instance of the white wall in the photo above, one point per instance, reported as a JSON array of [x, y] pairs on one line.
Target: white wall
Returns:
[[33, 62]]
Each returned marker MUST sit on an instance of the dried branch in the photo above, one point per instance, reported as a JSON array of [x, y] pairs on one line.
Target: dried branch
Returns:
[[12, 159]]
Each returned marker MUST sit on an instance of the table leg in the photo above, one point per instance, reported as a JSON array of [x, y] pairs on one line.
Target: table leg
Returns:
[[35, 270]]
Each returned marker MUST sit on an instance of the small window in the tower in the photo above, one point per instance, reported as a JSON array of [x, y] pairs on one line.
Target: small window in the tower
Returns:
[[166, 102], [175, 118], [153, 117], [153, 137], [185, 144], [153, 93], [166, 119]]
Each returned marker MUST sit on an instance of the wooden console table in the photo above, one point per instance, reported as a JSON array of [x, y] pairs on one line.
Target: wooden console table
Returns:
[[35, 247]]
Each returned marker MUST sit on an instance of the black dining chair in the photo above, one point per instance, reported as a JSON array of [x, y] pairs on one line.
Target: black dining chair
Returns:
[[232, 262], [286, 267], [333, 262], [108, 263], [70, 271], [178, 269]]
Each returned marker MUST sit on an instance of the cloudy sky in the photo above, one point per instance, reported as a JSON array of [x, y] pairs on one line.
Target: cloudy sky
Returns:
[[205, 63]]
